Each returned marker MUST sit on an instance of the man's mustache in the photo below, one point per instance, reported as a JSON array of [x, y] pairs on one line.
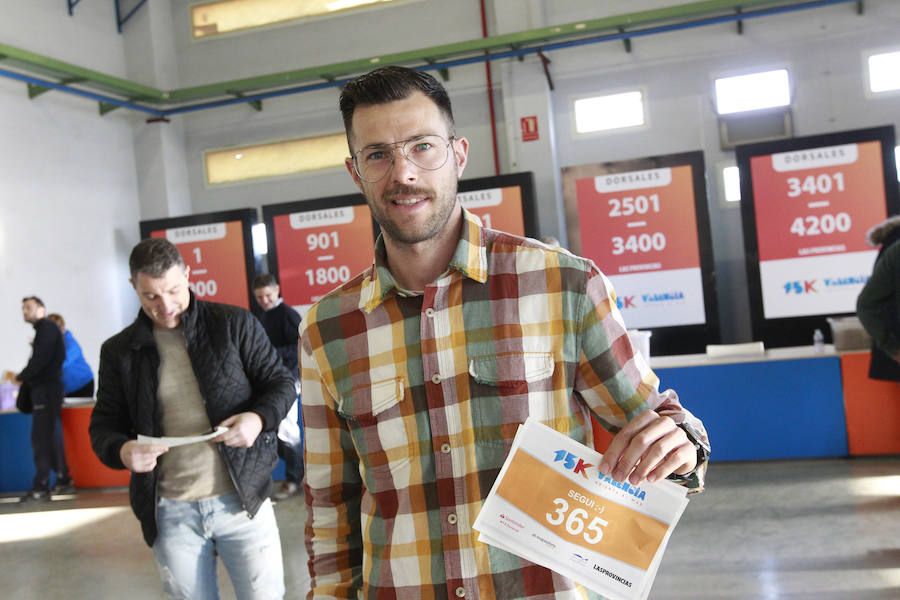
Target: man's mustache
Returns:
[[407, 190]]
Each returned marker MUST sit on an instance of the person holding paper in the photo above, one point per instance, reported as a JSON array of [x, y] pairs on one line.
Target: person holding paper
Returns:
[[417, 372], [183, 367]]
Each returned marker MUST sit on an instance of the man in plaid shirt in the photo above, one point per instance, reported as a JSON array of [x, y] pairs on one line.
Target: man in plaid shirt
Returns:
[[417, 372]]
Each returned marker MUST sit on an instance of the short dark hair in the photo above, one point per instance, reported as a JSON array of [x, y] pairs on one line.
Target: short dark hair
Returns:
[[389, 84], [264, 280], [154, 256], [36, 300]]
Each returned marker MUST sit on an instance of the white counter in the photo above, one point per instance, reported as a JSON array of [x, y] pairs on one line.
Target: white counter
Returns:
[[698, 360]]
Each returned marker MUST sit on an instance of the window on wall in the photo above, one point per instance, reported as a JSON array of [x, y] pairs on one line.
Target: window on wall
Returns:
[[897, 161], [884, 72], [613, 111], [225, 16], [768, 89], [278, 158], [731, 179], [260, 239]]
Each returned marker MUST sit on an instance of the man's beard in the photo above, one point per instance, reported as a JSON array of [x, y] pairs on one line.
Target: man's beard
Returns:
[[443, 200]]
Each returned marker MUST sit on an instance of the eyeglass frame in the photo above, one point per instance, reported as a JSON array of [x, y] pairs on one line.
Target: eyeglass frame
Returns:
[[392, 146]]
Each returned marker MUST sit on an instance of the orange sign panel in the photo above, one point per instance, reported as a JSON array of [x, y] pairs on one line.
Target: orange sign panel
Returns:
[[215, 254]]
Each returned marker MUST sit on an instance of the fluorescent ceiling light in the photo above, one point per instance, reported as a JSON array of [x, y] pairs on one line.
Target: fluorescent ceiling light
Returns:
[[223, 16], [615, 111], [897, 161], [752, 92], [732, 178], [277, 158], [260, 239], [884, 72]]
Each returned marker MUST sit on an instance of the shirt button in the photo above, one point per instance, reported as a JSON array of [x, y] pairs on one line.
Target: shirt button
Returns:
[[429, 312], [445, 448], [460, 592], [435, 378], [451, 518]]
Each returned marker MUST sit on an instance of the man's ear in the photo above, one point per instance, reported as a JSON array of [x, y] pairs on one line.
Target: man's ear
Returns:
[[461, 150], [133, 284], [348, 162]]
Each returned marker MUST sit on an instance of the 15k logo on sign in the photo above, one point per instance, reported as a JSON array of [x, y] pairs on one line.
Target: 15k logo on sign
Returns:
[[569, 462], [801, 287], [623, 302]]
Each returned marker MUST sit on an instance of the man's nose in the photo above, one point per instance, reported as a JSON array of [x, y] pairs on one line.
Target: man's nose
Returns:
[[403, 169]]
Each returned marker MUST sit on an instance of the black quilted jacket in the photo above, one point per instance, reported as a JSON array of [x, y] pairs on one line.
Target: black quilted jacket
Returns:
[[237, 369]]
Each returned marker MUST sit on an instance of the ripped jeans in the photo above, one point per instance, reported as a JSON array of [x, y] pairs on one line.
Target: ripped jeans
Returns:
[[191, 534]]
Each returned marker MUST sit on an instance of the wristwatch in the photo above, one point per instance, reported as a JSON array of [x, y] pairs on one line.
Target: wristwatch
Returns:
[[703, 451]]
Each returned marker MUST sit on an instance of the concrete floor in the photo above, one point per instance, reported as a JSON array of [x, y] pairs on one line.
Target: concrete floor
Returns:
[[800, 530]]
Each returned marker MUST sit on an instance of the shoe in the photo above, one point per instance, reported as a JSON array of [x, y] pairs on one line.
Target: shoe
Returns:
[[63, 487], [35, 495], [287, 489]]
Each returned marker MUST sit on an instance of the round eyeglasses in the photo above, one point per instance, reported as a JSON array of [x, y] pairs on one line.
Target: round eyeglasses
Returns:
[[429, 152]]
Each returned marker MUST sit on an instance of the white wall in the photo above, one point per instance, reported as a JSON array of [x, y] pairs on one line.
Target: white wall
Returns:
[[68, 198]]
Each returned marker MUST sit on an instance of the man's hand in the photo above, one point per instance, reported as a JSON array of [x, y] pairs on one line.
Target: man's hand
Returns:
[[896, 357], [243, 428], [650, 447], [141, 458]]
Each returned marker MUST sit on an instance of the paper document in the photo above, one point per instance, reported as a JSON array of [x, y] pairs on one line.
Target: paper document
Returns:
[[551, 506], [180, 441]]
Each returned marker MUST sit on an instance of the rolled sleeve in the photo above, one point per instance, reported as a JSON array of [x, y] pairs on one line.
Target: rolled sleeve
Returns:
[[614, 379]]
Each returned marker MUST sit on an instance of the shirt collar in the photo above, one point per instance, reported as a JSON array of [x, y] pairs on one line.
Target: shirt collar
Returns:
[[469, 258]]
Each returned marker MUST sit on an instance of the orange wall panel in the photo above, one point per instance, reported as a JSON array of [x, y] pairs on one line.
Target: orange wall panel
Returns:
[[85, 468], [872, 408]]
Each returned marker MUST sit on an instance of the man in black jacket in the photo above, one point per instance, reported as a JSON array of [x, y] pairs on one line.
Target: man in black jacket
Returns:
[[181, 368], [282, 324], [41, 379]]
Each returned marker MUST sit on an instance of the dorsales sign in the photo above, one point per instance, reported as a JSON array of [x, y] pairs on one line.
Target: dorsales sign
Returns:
[[498, 208], [320, 249], [813, 208], [214, 252], [640, 229]]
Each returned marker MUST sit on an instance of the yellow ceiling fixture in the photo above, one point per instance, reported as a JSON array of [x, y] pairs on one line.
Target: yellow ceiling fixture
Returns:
[[226, 16], [287, 157]]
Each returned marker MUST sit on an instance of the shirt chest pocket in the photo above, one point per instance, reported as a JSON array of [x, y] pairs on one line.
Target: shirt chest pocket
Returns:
[[379, 417], [506, 390]]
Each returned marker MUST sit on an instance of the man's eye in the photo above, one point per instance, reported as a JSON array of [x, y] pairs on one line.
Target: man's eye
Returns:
[[373, 155], [422, 147]]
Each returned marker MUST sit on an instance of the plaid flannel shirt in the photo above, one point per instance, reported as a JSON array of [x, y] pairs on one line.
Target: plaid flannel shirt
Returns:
[[411, 402]]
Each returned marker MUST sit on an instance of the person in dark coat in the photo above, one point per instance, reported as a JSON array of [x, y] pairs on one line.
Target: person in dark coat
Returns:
[[878, 305], [41, 380], [183, 367], [282, 324]]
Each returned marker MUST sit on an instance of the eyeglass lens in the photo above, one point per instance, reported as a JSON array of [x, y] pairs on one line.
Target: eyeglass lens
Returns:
[[427, 152]]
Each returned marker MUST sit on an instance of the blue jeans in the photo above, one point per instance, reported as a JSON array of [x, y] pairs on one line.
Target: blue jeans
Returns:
[[191, 534]]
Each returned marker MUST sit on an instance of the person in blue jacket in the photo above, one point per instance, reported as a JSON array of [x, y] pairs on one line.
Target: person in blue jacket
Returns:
[[77, 375]]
